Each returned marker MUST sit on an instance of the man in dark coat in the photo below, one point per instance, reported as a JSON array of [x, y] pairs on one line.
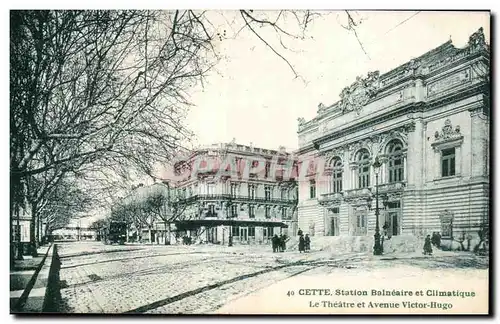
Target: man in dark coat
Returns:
[[275, 243], [438, 240], [299, 233], [301, 244]]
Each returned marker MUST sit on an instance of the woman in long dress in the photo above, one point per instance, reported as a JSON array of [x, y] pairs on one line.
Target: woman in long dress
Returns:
[[307, 244], [428, 245]]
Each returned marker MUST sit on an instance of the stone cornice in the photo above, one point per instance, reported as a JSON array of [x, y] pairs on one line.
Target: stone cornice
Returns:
[[432, 63], [409, 108], [401, 111]]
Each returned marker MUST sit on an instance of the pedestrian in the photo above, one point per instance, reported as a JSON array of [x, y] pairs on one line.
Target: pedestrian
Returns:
[[427, 245], [301, 244], [299, 233], [433, 238], [285, 239], [307, 243], [438, 240], [275, 243]]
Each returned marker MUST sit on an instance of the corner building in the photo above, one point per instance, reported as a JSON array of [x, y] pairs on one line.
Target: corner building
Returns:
[[235, 190], [427, 121]]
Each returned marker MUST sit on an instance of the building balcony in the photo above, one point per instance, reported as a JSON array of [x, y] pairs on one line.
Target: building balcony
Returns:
[[329, 198], [358, 193], [237, 199], [391, 187]]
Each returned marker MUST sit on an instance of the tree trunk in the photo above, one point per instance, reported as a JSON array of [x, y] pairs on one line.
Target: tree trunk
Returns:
[[15, 206], [12, 239], [167, 233], [38, 231], [32, 247], [19, 255]]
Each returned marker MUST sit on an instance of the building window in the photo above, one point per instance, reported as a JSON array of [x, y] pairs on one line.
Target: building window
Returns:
[[361, 220], [211, 210], [395, 156], [446, 218], [267, 169], [17, 233], [268, 212], [234, 189], [267, 193], [251, 231], [312, 189], [283, 212], [251, 211], [236, 231], [283, 193], [448, 162], [234, 210], [363, 169], [251, 191], [334, 226], [337, 175], [269, 231]]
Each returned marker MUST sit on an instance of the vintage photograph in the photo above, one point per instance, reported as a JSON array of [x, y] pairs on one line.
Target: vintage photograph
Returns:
[[249, 162]]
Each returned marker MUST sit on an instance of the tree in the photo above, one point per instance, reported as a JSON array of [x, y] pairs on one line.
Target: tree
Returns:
[[66, 202], [105, 93], [162, 204], [99, 88]]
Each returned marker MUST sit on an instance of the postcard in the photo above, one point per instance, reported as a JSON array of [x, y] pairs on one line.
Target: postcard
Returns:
[[249, 162]]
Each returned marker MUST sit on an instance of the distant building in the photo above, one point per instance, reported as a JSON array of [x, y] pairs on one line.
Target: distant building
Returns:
[[74, 233], [242, 192], [428, 123]]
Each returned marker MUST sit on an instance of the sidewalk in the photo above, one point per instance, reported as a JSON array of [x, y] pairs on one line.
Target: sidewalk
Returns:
[[23, 273]]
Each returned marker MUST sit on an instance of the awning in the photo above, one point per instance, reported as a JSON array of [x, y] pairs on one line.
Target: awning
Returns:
[[197, 223]]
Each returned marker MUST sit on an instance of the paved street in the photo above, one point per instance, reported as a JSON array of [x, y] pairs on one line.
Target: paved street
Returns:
[[98, 278]]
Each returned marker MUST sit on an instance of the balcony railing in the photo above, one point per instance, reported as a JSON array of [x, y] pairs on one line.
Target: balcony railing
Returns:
[[236, 198], [331, 197], [358, 193], [391, 187], [364, 193]]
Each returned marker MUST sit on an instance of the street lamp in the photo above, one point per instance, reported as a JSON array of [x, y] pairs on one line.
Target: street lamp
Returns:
[[377, 247], [229, 216]]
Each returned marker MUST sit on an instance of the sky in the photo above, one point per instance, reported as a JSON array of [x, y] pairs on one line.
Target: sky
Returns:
[[255, 98]]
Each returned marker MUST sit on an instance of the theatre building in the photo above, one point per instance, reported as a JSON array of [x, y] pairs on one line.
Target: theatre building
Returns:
[[427, 123], [238, 191]]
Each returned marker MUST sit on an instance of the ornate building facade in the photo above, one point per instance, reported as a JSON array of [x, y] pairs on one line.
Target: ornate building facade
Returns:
[[427, 121], [242, 192]]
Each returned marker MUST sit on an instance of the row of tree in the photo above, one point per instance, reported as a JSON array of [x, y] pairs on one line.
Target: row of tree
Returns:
[[95, 97], [144, 208], [98, 99]]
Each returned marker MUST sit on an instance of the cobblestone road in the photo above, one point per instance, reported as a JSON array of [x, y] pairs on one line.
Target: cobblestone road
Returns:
[[97, 278]]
